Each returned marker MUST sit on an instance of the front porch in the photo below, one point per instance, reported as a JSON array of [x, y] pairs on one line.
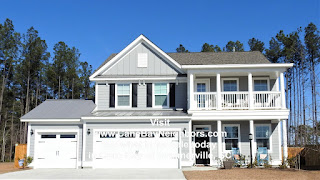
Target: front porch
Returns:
[[266, 133]]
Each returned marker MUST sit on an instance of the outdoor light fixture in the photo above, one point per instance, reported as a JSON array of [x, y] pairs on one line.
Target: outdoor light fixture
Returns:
[[184, 130], [31, 132], [88, 132], [250, 139]]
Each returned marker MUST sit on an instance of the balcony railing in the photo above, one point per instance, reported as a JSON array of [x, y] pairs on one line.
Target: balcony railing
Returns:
[[237, 100]]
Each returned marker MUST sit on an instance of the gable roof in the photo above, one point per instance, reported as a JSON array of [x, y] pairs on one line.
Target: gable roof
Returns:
[[111, 60], [61, 109]]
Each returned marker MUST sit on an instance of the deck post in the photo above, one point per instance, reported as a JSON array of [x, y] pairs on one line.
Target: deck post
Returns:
[[219, 140], [251, 131], [283, 96], [218, 92], [191, 89], [284, 139], [250, 90]]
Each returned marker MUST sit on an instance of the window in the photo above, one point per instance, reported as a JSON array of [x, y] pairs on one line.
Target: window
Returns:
[[46, 136], [123, 94], [201, 87], [230, 85], [232, 138], [142, 60], [262, 136], [161, 94], [67, 136], [261, 85]]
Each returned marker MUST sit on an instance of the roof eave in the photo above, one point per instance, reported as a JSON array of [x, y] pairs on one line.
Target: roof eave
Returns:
[[238, 66]]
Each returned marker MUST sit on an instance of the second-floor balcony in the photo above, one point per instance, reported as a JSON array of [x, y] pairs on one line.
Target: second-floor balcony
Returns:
[[237, 100], [236, 90]]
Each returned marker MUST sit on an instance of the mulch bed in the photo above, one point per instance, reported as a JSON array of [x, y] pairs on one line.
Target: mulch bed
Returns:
[[9, 167], [238, 173]]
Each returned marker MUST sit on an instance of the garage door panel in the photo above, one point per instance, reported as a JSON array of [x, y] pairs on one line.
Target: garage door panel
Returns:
[[136, 152]]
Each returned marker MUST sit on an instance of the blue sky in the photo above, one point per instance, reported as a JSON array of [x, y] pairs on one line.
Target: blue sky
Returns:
[[99, 28]]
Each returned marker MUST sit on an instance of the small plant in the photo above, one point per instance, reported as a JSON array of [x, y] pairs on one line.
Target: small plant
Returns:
[[254, 163], [283, 165], [29, 160]]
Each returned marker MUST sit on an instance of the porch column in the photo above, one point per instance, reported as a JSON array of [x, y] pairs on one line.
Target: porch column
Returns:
[[250, 90], [219, 139], [277, 82], [191, 89], [283, 96], [84, 138], [218, 85], [284, 139], [251, 130]]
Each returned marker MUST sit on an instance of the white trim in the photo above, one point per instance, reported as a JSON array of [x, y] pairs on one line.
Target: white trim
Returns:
[[96, 94], [116, 96], [223, 138], [173, 78], [84, 139], [190, 142], [239, 66], [202, 80], [28, 139], [279, 139], [222, 84], [138, 40], [210, 149], [154, 98], [270, 136], [51, 120], [261, 78], [136, 117]]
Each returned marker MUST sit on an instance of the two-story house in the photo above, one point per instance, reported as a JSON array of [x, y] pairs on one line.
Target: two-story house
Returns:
[[165, 110]]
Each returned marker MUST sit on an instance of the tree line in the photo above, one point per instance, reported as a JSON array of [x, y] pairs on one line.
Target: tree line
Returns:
[[301, 47], [30, 75]]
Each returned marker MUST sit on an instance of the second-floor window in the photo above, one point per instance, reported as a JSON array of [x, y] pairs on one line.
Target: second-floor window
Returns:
[[123, 94], [161, 94], [230, 84], [260, 85]]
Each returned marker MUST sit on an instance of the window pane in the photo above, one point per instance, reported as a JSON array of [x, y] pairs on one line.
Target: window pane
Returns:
[[231, 143], [123, 100], [67, 136], [160, 88], [230, 85], [263, 143], [48, 136], [123, 89], [201, 87], [232, 131], [260, 85], [262, 132], [161, 100]]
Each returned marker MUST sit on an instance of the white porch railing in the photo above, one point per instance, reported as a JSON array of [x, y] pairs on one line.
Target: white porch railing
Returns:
[[266, 99], [234, 100], [205, 100], [238, 100]]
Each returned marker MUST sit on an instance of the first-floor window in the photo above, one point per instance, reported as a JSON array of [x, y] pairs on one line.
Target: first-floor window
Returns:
[[161, 94], [232, 138], [123, 93], [262, 136]]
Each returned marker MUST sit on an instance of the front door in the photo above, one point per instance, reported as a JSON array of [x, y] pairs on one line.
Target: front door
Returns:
[[202, 145]]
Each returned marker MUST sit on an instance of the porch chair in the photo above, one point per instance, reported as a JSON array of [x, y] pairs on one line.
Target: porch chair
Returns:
[[262, 155]]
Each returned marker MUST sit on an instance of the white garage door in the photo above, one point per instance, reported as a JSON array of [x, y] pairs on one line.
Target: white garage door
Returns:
[[136, 149], [53, 150]]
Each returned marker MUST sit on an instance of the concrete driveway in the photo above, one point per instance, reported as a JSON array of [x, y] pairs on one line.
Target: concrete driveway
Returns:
[[95, 174]]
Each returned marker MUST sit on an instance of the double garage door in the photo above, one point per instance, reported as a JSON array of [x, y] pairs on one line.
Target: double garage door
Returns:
[[136, 149], [56, 150]]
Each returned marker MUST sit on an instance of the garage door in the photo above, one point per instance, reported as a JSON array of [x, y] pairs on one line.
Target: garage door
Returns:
[[56, 150], [136, 149]]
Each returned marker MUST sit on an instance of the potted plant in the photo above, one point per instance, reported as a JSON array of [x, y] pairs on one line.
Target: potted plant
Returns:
[[228, 162]]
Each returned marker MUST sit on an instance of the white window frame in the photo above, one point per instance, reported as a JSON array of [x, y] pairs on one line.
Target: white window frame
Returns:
[[224, 79], [205, 81], [139, 63], [261, 78], [116, 95], [224, 138], [270, 136], [154, 95]]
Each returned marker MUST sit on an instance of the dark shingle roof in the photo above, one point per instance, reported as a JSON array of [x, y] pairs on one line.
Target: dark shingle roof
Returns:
[[61, 109], [213, 58]]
